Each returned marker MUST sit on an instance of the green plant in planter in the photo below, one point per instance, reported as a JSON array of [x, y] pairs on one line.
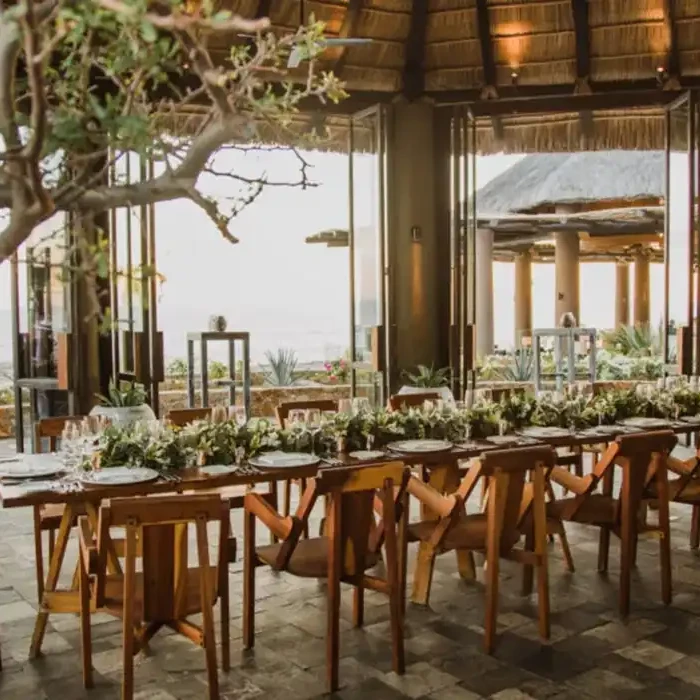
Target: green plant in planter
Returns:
[[521, 368], [177, 368], [429, 377], [281, 367], [124, 395], [217, 370]]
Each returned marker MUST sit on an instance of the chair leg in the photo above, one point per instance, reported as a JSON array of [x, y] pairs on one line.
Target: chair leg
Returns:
[[38, 554], [52, 542], [302, 489], [358, 606], [540, 533], [695, 528], [249, 561], [394, 580], [333, 604], [287, 498], [664, 517], [603, 550], [528, 570], [423, 574], [273, 499], [225, 611], [491, 622], [557, 527], [207, 608], [85, 632], [128, 613]]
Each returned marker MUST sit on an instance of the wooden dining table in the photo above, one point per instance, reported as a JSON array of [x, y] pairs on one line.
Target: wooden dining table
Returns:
[[168, 544]]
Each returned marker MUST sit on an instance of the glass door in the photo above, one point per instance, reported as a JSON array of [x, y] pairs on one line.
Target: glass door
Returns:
[[369, 256], [680, 295], [462, 250]]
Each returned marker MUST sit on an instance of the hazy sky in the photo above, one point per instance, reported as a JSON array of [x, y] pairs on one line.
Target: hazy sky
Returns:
[[291, 294]]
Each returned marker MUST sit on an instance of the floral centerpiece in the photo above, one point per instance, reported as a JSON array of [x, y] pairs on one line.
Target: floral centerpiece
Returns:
[[337, 370]]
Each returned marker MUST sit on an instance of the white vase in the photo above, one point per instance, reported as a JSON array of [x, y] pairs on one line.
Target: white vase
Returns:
[[124, 415]]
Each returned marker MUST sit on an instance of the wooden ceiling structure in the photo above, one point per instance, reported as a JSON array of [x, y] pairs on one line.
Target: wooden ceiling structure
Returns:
[[548, 74]]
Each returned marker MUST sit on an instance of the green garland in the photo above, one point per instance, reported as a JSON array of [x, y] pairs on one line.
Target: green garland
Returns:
[[208, 442]]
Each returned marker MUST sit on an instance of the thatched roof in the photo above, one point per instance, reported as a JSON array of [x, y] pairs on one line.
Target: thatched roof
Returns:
[[543, 180]]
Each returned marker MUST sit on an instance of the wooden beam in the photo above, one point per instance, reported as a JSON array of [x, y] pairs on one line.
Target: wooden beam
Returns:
[[579, 9], [263, 9], [348, 29], [414, 65], [484, 28], [673, 64]]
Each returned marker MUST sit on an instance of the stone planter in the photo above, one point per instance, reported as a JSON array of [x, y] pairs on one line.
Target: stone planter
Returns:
[[124, 415]]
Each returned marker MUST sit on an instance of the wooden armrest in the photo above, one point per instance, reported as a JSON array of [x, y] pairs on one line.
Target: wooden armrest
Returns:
[[428, 496], [257, 505], [678, 466], [569, 481]]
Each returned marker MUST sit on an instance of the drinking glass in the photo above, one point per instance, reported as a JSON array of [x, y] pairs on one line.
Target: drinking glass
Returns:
[[296, 422], [502, 427], [313, 422], [467, 432], [360, 404]]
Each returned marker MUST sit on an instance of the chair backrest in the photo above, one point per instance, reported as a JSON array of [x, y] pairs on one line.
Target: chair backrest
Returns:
[[138, 515], [646, 454], [399, 401], [354, 494], [284, 409], [510, 496], [183, 416], [52, 428]]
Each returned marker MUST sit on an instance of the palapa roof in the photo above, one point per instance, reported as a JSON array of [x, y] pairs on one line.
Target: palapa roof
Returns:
[[490, 51], [541, 181]]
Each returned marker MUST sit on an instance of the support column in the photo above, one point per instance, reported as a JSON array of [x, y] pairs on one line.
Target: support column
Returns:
[[523, 297], [622, 294], [566, 263], [484, 292], [641, 289]]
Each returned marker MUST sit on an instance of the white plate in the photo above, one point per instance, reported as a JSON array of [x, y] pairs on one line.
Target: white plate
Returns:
[[283, 460], [32, 467], [691, 419], [217, 469], [119, 476], [545, 431], [34, 486], [367, 454], [645, 422], [503, 439], [420, 446]]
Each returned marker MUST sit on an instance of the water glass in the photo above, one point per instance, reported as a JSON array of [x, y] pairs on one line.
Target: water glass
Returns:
[[502, 427], [313, 422], [360, 404], [238, 415]]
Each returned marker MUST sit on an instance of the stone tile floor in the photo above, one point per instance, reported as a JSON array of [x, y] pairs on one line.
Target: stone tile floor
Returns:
[[655, 655]]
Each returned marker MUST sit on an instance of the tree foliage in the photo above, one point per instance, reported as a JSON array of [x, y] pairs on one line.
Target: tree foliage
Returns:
[[83, 82]]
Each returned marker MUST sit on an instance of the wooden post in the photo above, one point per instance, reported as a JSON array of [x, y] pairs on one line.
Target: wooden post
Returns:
[[641, 289], [622, 294], [484, 292], [566, 262]]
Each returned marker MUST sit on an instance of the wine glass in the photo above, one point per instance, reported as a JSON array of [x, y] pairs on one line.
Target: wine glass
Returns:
[[238, 415], [360, 404], [296, 420], [502, 426], [313, 422]]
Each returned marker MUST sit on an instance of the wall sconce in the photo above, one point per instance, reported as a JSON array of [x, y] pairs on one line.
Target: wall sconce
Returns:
[[661, 75], [416, 234], [514, 77]]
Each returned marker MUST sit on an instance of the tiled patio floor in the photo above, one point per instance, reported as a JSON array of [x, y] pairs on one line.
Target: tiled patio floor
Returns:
[[655, 655]]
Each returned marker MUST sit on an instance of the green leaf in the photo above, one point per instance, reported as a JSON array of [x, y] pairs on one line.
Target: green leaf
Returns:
[[148, 32]]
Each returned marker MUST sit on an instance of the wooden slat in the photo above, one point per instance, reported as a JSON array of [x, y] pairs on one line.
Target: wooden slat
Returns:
[[487, 57], [579, 9], [673, 64], [414, 66]]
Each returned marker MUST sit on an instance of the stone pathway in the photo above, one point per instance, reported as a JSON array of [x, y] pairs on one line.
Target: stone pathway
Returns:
[[654, 656]]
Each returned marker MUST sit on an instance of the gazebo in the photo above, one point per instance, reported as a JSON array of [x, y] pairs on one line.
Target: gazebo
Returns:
[[568, 208]]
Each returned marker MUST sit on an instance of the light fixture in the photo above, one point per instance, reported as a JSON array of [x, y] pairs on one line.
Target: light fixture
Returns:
[[514, 77], [661, 75]]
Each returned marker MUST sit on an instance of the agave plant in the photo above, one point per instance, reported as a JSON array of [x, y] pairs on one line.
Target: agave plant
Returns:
[[124, 395], [429, 377], [639, 340], [521, 369], [281, 367]]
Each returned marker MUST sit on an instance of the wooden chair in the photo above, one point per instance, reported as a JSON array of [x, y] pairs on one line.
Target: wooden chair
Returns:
[[351, 546], [183, 416], [283, 411], [643, 459], [399, 401], [514, 507], [165, 591], [47, 518]]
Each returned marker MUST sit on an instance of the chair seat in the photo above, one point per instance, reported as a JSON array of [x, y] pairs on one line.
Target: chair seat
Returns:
[[690, 494], [594, 509], [468, 533], [114, 593], [309, 559]]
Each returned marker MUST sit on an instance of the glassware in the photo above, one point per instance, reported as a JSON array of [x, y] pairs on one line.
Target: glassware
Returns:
[[467, 432], [296, 422], [238, 415], [502, 427], [313, 423], [360, 404]]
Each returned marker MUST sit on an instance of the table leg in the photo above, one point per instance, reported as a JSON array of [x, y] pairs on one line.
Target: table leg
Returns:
[[52, 580]]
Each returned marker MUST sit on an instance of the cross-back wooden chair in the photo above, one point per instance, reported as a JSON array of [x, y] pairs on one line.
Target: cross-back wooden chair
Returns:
[[283, 410], [643, 459], [351, 546], [183, 416], [399, 401], [161, 594], [514, 507], [47, 517]]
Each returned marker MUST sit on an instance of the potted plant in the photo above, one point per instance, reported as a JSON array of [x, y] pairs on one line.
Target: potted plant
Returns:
[[428, 379], [124, 404]]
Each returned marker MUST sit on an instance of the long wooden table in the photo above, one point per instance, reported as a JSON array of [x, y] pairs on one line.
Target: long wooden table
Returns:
[[171, 546]]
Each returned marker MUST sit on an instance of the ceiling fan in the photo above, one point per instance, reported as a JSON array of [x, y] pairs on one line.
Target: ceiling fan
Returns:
[[299, 53]]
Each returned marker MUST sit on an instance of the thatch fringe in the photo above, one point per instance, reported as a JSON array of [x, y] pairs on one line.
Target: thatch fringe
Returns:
[[446, 5], [688, 33], [552, 73], [515, 50], [636, 38], [390, 5], [358, 78], [381, 25], [450, 26], [625, 67], [379, 53], [544, 17], [454, 79]]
